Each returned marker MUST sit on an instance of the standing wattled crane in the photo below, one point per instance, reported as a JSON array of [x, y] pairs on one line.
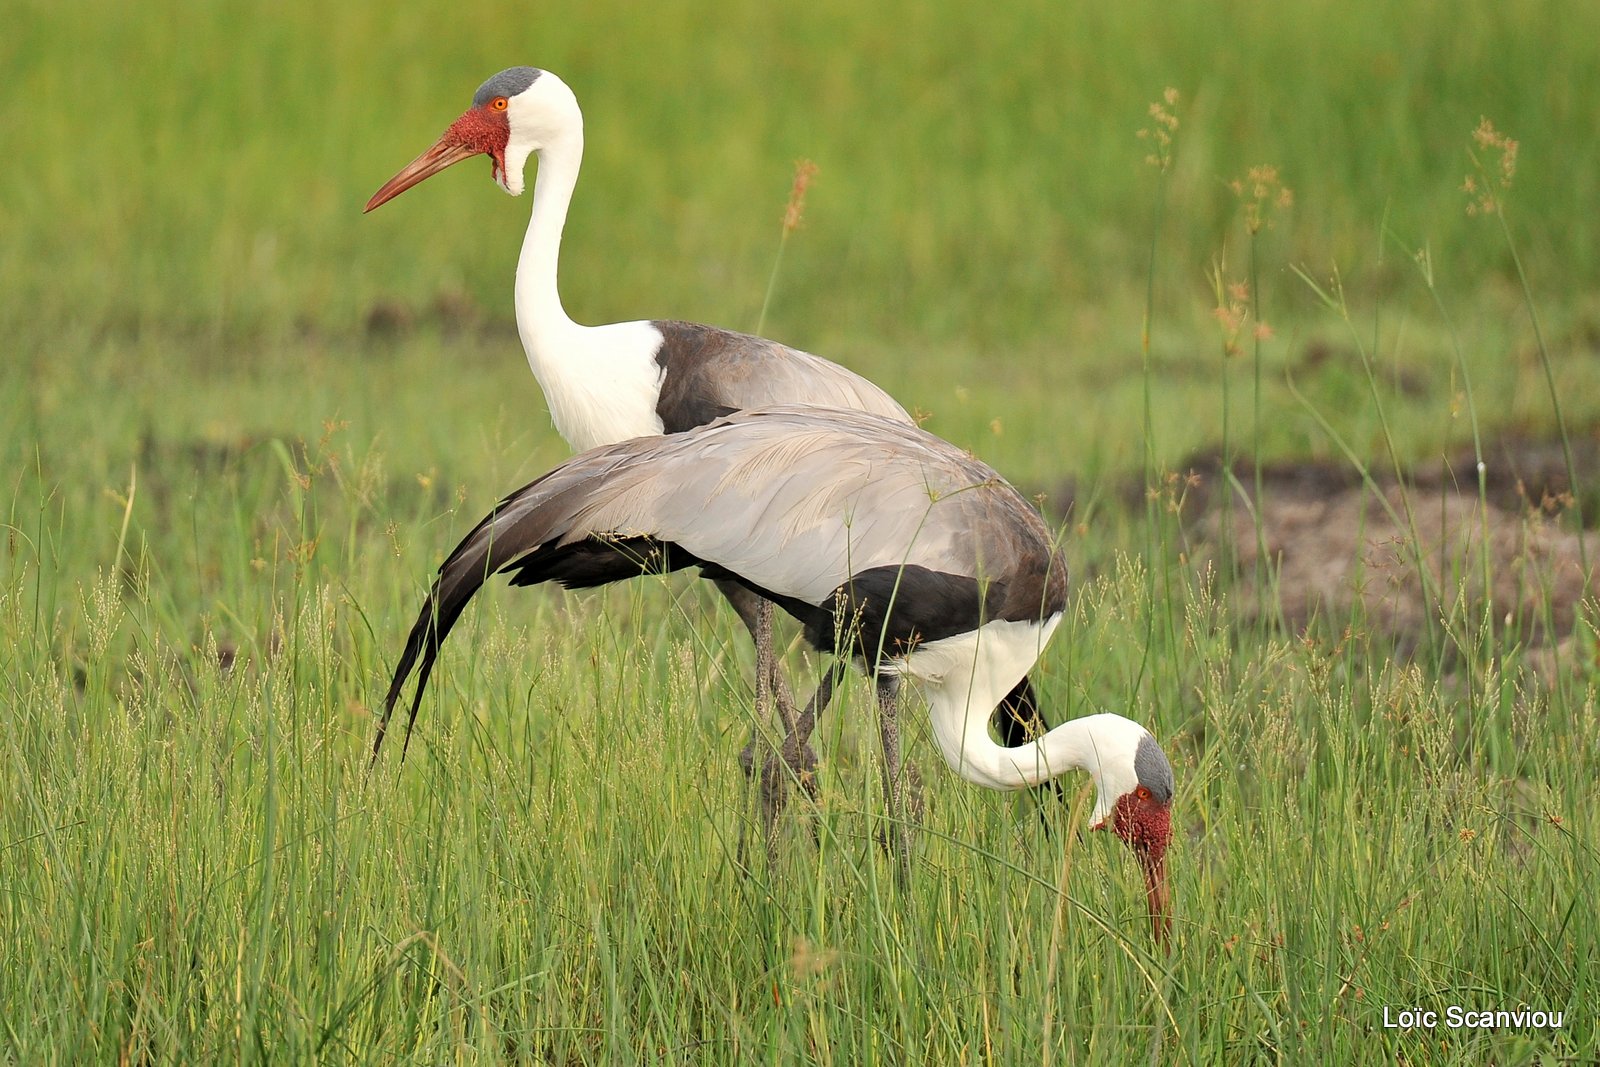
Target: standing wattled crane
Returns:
[[893, 548], [630, 379]]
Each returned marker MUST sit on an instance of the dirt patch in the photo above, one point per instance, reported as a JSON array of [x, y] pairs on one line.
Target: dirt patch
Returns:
[[1407, 555], [1520, 473], [1406, 560]]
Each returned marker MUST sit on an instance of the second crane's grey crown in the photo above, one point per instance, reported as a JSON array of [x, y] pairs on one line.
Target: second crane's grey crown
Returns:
[[1155, 773], [507, 83]]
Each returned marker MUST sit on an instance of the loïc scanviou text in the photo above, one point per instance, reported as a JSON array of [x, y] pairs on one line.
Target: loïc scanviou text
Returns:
[[1457, 1017]]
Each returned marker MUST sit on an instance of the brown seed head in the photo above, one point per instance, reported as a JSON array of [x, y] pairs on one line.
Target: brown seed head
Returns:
[[804, 171], [1162, 129], [1483, 189], [1261, 191]]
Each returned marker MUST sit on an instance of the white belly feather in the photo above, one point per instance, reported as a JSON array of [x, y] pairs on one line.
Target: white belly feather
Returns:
[[602, 383]]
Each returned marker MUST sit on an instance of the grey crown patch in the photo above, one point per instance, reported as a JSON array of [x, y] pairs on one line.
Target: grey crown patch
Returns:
[[507, 83], [1155, 773]]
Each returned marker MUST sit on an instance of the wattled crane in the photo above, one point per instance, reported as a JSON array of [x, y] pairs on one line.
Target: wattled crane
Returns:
[[894, 549], [608, 383]]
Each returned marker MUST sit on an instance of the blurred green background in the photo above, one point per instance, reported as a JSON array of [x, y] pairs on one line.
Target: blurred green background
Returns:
[[181, 213]]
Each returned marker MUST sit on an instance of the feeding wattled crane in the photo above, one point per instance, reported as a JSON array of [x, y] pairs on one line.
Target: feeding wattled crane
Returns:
[[629, 379], [893, 548]]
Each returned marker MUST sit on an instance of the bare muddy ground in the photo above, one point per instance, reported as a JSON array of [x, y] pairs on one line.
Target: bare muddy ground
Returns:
[[1409, 553]]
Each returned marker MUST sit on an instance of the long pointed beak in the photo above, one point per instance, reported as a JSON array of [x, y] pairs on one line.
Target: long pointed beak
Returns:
[[446, 152], [1158, 895]]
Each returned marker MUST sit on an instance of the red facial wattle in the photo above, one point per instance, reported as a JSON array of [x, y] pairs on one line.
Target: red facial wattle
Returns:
[[1142, 821], [1145, 823], [480, 131], [483, 130]]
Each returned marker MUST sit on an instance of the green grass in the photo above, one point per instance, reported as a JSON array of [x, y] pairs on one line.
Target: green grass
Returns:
[[209, 453]]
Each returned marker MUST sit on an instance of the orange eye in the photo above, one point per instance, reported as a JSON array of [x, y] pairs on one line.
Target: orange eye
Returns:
[[1142, 793], [497, 104]]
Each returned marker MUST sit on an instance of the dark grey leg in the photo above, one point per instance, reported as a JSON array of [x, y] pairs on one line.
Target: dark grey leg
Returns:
[[770, 787], [768, 774], [795, 760], [799, 756], [750, 608], [799, 760], [796, 748], [898, 832]]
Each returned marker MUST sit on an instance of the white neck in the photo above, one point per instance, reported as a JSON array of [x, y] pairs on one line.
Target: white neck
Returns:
[[602, 383], [1078, 745], [541, 320], [965, 678]]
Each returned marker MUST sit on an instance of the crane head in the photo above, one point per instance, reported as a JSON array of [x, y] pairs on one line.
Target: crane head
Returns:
[[514, 114], [1141, 814]]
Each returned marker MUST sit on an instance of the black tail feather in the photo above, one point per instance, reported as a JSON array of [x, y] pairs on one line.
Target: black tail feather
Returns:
[[594, 561], [1017, 721], [427, 634]]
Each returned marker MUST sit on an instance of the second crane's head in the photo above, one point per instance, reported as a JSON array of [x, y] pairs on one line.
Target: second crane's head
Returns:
[[517, 112], [1134, 802]]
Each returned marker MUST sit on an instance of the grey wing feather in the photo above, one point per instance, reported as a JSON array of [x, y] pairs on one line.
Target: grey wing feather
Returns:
[[797, 500], [710, 372], [794, 500]]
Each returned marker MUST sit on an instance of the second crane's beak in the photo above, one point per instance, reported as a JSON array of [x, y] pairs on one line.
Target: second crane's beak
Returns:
[[447, 151], [1157, 895]]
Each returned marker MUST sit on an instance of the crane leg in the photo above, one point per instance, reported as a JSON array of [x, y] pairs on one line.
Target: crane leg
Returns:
[[797, 751], [785, 758], [799, 760], [756, 614], [899, 783], [770, 784]]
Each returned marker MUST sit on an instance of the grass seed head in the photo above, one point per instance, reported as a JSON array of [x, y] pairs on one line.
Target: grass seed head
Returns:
[[1485, 187], [804, 171], [1262, 193], [1162, 130]]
